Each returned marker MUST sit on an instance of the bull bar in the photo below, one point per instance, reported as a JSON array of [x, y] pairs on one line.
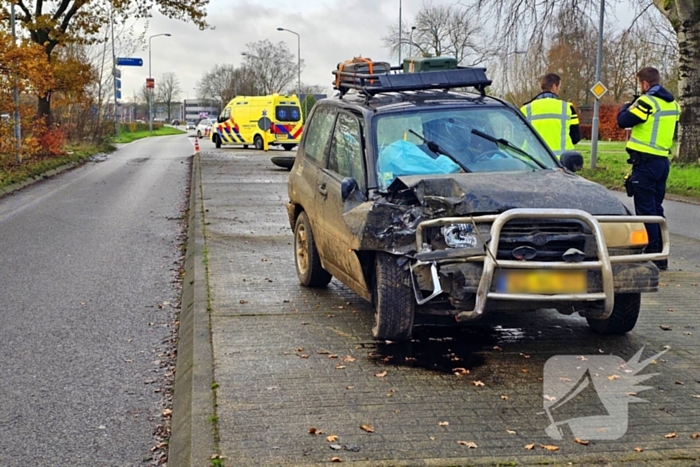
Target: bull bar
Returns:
[[603, 263]]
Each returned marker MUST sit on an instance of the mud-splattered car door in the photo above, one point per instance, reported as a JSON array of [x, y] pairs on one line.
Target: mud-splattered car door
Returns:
[[345, 160]]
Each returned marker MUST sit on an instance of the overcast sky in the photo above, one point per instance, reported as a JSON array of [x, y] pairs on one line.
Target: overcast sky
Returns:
[[331, 31]]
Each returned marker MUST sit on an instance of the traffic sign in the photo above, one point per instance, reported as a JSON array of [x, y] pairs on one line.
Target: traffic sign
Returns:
[[117, 72], [599, 90], [150, 83], [118, 83], [129, 61], [119, 94]]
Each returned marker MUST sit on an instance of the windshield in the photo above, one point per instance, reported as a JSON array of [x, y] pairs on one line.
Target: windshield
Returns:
[[403, 143]]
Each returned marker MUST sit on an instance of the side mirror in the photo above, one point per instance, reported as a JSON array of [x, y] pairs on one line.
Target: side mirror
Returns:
[[347, 186], [572, 160]]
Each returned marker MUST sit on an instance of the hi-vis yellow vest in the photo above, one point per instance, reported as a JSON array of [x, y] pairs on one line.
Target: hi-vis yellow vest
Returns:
[[552, 118], [655, 135]]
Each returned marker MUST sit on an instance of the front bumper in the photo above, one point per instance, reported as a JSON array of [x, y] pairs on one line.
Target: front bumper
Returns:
[[461, 271]]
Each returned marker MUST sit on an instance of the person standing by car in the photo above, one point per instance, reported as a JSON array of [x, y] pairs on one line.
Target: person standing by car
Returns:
[[653, 117], [555, 120]]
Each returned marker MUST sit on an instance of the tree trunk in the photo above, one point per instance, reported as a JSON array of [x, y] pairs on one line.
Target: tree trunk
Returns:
[[689, 90], [44, 108]]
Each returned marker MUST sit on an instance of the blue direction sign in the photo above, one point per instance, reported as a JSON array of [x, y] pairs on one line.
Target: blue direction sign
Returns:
[[119, 94], [129, 61], [118, 83]]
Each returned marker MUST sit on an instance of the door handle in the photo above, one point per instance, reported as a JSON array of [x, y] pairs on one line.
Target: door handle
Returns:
[[323, 190]]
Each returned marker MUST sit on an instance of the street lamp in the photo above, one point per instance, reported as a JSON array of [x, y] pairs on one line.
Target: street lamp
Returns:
[[298, 63], [410, 39], [150, 94]]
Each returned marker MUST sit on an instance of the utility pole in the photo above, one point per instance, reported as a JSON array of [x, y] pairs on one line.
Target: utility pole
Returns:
[[15, 93], [114, 78], [596, 104], [400, 32]]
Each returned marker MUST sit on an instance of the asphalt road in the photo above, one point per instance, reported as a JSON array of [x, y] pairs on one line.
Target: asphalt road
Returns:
[[89, 261]]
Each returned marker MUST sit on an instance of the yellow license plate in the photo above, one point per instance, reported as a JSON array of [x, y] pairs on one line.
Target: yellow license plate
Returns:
[[543, 282]]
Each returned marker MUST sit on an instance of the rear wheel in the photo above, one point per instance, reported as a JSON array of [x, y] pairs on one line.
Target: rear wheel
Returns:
[[288, 147], [258, 142], [199, 134], [217, 141], [306, 259], [393, 299], [623, 318]]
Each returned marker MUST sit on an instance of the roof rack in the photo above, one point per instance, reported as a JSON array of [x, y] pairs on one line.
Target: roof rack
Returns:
[[375, 83]]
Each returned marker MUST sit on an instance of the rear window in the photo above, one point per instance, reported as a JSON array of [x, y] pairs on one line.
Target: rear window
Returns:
[[287, 113]]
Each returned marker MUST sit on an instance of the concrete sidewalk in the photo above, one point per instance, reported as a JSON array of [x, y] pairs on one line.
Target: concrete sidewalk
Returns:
[[289, 360]]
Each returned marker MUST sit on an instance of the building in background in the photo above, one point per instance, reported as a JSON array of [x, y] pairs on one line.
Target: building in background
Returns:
[[196, 109]]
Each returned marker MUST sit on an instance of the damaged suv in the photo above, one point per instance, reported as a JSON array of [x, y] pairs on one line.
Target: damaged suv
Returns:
[[424, 200]]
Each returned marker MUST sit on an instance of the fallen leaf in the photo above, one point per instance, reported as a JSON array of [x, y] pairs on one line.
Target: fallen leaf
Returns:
[[581, 441], [460, 371], [349, 359], [443, 423], [505, 398], [495, 347], [300, 349], [524, 355], [332, 356], [529, 447], [243, 302], [613, 377], [304, 355], [336, 447], [381, 375], [696, 396], [525, 370], [478, 383], [323, 352], [549, 447], [680, 383], [671, 435], [367, 428], [565, 379], [349, 387], [687, 333], [332, 438], [695, 435], [666, 327], [340, 367], [469, 444], [549, 398], [336, 459], [432, 438], [167, 413], [638, 449], [670, 309], [312, 431], [511, 432]]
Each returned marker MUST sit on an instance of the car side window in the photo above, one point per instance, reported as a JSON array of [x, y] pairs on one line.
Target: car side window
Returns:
[[345, 157], [317, 134], [225, 115]]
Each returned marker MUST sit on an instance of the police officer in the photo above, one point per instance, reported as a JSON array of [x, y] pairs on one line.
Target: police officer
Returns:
[[555, 120], [652, 117]]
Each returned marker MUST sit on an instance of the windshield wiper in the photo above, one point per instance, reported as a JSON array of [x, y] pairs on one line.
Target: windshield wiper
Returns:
[[508, 144], [433, 146]]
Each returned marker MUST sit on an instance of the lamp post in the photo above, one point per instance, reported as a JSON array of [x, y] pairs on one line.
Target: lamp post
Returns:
[[15, 94], [596, 104], [298, 63], [184, 106], [410, 46], [400, 32], [150, 94]]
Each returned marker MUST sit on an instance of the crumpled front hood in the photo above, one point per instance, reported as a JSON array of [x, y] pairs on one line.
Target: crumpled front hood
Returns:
[[468, 193]]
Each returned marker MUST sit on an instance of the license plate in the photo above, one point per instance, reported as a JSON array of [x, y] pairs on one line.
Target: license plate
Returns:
[[542, 282]]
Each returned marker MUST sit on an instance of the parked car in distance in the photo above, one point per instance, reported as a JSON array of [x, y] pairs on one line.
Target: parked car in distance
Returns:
[[175, 123], [203, 127], [191, 126]]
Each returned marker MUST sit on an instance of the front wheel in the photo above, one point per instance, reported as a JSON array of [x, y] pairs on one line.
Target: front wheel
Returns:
[[199, 134], [393, 299], [258, 141], [217, 141], [623, 318], [306, 259]]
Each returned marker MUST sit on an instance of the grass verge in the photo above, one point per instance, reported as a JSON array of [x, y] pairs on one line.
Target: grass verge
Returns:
[[11, 172], [128, 137], [612, 166]]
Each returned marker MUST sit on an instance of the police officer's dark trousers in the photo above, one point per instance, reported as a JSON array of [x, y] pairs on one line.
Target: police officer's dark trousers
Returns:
[[649, 175]]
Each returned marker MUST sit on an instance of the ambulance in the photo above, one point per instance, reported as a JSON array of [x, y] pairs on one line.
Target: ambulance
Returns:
[[259, 121]]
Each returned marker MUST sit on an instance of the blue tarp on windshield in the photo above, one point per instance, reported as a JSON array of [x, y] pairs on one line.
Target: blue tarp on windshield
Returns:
[[403, 158]]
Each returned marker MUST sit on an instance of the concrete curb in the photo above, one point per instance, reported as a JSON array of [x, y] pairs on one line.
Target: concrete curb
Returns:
[[192, 440]]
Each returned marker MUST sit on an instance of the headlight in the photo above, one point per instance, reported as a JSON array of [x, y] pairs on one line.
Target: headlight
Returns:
[[459, 235], [624, 234]]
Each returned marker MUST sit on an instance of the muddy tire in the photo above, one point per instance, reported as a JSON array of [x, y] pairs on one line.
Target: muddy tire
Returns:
[[393, 300], [258, 142], [623, 318], [217, 141], [306, 259]]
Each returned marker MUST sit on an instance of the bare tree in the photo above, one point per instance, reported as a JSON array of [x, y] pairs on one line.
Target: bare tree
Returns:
[[272, 66], [224, 82], [168, 90], [450, 30]]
